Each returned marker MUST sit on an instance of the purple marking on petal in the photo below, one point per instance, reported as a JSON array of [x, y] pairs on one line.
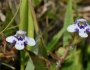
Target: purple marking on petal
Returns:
[[84, 31], [26, 42], [19, 38], [14, 41], [88, 29], [22, 44], [80, 26], [76, 29], [85, 24]]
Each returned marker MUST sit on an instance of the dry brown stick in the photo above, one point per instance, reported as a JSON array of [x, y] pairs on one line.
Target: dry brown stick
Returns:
[[47, 61], [4, 42], [45, 8], [65, 54], [53, 55], [10, 52], [61, 59], [1, 48]]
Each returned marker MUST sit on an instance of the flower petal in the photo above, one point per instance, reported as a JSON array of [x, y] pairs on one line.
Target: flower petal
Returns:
[[81, 20], [10, 39], [19, 46], [71, 28], [21, 32], [30, 41], [83, 33], [88, 28]]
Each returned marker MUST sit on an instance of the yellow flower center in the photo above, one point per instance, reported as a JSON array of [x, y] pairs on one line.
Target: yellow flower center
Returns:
[[21, 35], [81, 23]]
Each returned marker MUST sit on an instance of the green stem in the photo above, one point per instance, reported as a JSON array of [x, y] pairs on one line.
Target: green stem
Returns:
[[13, 68], [22, 67]]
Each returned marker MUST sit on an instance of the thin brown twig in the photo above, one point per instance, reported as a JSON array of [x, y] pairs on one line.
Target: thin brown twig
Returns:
[[10, 52], [45, 8], [61, 59], [1, 48], [53, 55], [47, 61], [4, 42]]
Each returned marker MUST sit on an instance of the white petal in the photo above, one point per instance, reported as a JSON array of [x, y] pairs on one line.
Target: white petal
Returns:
[[19, 46], [71, 47], [21, 32], [84, 35], [30, 41], [81, 19], [10, 39], [71, 28]]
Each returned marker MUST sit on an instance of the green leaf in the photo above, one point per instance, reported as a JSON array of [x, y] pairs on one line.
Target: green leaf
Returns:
[[73, 63], [60, 51], [53, 66], [30, 65], [88, 50], [55, 39], [42, 48], [23, 26], [88, 66], [39, 64], [24, 15], [51, 13], [40, 42], [67, 21], [27, 24], [30, 20], [35, 48], [88, 57]]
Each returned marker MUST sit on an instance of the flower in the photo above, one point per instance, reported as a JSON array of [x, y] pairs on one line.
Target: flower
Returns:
[[20, 39], [81, 26]]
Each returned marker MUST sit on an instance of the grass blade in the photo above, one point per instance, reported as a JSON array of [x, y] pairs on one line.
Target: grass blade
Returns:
[[55, 39], [68, 20]]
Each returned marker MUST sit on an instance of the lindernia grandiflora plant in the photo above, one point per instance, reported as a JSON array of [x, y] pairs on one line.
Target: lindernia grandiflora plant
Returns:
[[20, 39], [81, 26]]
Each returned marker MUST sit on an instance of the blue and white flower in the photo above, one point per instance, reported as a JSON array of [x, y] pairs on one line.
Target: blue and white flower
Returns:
[[20, 39], [81, 26]]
